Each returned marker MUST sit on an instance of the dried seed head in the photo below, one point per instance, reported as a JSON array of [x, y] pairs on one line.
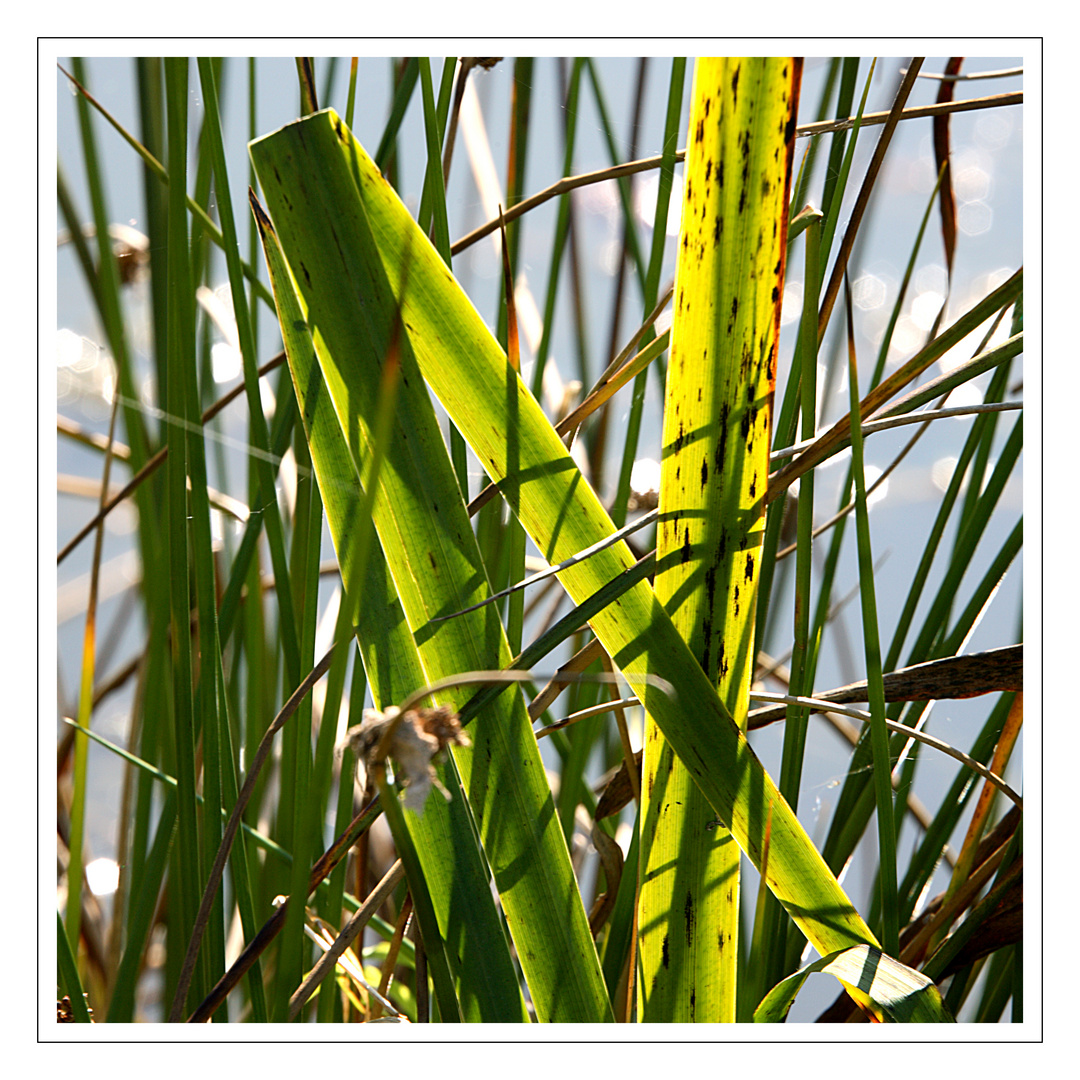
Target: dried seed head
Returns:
[[414, 739], [442, 722]]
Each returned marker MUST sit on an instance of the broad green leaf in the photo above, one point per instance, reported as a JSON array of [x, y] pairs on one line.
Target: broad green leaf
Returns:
[[715, 466], [350, 318], [899, 994], [335, 192], [453, 872]]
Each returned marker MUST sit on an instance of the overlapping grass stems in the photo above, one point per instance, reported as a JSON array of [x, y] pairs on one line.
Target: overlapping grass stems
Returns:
[[230, 629]]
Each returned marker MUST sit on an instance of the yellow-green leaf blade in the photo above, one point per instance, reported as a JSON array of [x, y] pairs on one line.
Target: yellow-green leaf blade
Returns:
[[307, 173], [899, 994], [728, 283], [454, 875]]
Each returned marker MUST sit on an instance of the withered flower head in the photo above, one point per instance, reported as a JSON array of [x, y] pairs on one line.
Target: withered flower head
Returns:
[[415, 740]]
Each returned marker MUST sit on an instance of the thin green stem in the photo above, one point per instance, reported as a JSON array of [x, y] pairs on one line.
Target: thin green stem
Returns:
[[879, 736]]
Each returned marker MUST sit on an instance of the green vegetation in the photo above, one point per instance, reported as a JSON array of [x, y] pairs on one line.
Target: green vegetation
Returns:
[[287, 855]]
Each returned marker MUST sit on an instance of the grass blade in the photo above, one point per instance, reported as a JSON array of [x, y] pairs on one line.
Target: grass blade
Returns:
[[879, 736], [181, 353], [717, 417], [902, 994]]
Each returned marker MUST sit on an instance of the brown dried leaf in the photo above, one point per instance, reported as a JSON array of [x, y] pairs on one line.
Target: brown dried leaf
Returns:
[[946, 197]]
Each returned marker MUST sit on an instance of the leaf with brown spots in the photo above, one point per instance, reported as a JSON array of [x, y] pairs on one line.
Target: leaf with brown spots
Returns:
[[718, 410]]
